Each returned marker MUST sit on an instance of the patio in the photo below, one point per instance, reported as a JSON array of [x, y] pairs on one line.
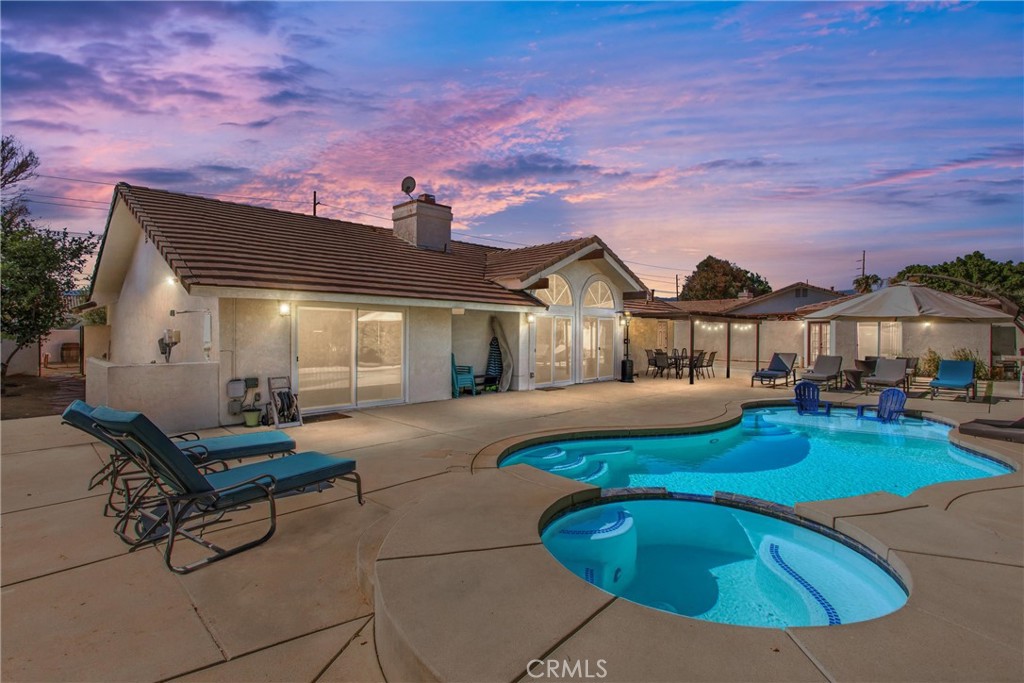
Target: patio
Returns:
[[303, 607]]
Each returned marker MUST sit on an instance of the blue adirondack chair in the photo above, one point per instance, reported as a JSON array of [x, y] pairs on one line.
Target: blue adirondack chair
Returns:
[[889, 408], [808, 400]]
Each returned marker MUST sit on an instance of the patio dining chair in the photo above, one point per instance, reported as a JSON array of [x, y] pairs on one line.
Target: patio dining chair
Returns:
[[462, 378], [650, 362], [808, 399], [186, 494], [956, 375], [661, 364], [889, 408], [707, 364]]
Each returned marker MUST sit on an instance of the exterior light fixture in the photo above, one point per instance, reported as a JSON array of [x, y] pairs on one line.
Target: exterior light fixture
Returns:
[[530, 317], [171, 280], [284, 308]]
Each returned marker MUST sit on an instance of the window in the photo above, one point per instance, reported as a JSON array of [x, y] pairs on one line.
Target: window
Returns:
[[598, 296], [880, 339], [557, 293]]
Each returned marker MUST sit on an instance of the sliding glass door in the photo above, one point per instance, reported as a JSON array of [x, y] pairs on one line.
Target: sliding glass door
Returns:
[[553, 350], [348, 357]]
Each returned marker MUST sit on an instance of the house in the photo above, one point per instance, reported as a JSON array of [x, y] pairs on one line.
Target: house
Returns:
[[355, 315]]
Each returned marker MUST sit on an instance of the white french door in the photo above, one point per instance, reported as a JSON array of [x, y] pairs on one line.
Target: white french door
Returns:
[[598, 346], [553, 350]]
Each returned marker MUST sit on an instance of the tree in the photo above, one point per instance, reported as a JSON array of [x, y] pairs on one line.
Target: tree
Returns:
[[36, 265], [865, 283], [715, 278], [971, 273]]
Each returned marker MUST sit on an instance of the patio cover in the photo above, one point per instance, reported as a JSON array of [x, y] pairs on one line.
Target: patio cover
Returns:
[[910, 301]]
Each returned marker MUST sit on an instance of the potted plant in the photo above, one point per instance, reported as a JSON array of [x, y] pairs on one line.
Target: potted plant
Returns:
[[251, 412]]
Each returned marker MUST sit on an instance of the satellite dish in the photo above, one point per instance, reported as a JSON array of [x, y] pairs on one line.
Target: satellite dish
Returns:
[[408, 185]]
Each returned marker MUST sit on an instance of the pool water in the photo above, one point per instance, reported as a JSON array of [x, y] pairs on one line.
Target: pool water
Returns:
[[774, 454], [721, 564]]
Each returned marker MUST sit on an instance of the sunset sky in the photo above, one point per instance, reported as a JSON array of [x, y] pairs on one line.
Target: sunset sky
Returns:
[[785, 137]]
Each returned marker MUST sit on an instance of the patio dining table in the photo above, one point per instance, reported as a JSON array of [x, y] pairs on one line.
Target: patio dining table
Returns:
[[678, 363]]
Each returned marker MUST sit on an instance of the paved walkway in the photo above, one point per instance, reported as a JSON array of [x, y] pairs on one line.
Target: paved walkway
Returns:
[[77, 607]]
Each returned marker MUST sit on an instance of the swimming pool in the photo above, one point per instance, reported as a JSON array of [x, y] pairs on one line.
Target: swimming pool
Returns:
[[722, 564], [774, 454]]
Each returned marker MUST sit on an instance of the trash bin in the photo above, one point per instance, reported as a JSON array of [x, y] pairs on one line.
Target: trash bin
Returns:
[[626, 370]]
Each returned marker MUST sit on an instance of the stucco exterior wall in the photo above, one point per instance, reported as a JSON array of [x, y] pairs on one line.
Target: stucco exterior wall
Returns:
[[471, 334], [429, 358], [255, 341], [783, 336], [56, 339], [24, 362], [177, 396], [97, 341], [943, 338], [141, 314]]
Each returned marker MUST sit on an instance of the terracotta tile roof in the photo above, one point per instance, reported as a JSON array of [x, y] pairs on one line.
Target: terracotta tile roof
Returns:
[[707, 305], [509, 266], [212, 243], [655, 308]]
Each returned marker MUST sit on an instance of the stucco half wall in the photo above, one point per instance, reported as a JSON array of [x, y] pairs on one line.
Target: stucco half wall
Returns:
[[176, 396]]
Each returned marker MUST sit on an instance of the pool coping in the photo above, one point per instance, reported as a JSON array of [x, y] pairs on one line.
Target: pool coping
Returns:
[[411, 651]]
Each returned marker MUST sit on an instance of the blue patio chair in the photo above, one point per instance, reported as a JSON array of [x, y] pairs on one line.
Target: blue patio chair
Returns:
[[462, 378], [782, 366], [187, 494], [210, 450], [808, 399], [957, 375], [889, 408]]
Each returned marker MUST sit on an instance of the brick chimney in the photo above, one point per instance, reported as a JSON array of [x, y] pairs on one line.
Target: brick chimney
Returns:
[[424, 223]]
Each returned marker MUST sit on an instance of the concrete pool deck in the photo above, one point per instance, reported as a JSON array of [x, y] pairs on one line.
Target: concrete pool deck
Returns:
[[441, 574]]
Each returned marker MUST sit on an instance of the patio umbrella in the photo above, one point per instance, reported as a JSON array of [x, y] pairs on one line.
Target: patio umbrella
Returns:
[[507, 364], [910, 301]]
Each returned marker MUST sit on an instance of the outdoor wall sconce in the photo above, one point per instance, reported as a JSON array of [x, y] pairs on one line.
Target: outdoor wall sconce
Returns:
[[171, 280], [168, 341], [530, 317], [284, 308]]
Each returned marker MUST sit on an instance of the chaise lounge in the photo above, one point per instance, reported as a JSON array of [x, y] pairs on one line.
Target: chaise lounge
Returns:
[[826, 369], [889, 372], [956, 375], [185, 494], [780, 367], [1004, 430]]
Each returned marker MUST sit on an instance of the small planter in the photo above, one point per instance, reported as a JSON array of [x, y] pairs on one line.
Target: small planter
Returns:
[[252, 417]]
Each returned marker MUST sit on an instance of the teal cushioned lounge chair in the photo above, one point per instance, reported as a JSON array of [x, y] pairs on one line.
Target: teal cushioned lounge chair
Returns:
[[957, 375], [186, 494], [201, 451]]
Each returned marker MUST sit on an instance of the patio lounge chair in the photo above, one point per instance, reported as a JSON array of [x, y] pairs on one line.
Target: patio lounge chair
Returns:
[[201, 451], [187, 494], [826, 369], [890, 406], [462, 378], [808, 399], [889, 372], [780, 367], [956, 375], [1006, 430]]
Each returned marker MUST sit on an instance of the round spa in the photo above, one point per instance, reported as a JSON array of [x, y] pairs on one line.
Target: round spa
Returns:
[[719, 563]]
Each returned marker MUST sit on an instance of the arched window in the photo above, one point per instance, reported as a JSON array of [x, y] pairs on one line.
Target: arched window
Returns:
[[598, 296], [557, 293]]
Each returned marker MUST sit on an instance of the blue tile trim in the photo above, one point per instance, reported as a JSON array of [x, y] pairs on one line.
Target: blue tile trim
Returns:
[[588, 575], [830, 611]]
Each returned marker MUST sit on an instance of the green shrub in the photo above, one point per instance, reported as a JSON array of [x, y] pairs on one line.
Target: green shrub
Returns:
[[928, 366]]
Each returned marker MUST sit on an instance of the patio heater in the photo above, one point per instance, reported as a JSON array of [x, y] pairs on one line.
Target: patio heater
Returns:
[[626, 371]]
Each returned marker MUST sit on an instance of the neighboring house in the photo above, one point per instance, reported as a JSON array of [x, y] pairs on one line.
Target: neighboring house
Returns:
[[355, 315]]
